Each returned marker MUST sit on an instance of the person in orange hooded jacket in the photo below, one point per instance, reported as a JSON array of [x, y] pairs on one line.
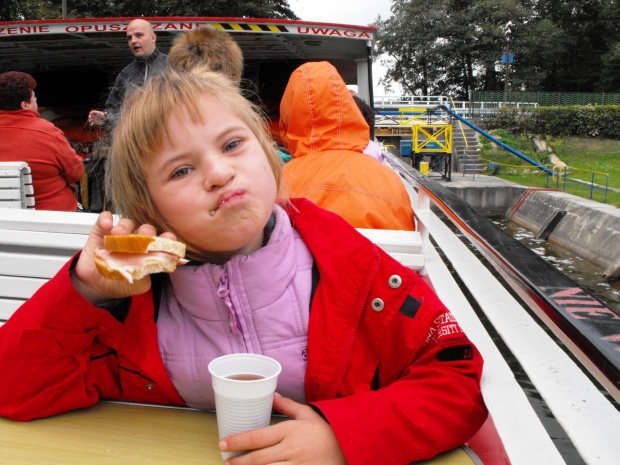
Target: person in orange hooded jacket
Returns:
[[325, 132]]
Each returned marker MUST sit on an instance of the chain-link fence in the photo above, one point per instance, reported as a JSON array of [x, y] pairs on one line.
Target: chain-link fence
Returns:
[[546, 99]]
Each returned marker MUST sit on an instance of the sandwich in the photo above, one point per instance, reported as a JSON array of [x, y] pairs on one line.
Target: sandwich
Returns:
[[134, 256]]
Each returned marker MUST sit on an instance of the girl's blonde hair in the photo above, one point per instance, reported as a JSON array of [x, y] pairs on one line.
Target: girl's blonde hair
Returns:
[[143, 125]]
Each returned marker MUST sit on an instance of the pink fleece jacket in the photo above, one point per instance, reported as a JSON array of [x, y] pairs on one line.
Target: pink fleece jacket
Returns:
[[236, 307]]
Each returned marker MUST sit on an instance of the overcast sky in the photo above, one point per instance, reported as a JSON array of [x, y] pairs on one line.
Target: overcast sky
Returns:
[[353, 12]]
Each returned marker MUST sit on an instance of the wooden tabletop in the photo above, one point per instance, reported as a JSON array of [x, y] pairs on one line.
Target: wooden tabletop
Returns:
[[119, 434]]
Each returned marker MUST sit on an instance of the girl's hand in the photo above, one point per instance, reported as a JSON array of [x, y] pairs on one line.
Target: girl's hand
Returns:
[[304, 439], [85, 277]]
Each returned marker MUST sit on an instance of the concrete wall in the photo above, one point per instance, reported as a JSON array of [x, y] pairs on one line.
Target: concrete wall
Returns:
[[490, 201], [591, 229]]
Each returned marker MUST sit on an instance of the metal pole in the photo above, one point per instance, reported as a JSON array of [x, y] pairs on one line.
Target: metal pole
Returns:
[[64, 9], [564, 185], [592, 185], [473, 174], [371, 93], [507, 65], [490, 137], [606, 186]]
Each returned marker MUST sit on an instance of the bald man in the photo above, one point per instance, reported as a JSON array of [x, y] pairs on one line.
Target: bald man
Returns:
[[148, 61]]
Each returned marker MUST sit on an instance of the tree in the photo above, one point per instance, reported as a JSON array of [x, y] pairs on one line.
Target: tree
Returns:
[[610, 75], [539, 49], [8, 10], [448, 46], [454, 46], [580, 61], [17, 10], [12, 10], [409, 38]]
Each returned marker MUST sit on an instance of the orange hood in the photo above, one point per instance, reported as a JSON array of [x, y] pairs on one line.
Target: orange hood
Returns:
[[318, 113]]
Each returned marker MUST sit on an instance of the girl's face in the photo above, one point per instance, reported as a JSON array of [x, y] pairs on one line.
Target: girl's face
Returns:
[[212, 183]]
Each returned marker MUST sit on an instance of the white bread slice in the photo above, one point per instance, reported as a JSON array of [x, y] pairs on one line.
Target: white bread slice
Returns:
[[130, 266], [138, 243]]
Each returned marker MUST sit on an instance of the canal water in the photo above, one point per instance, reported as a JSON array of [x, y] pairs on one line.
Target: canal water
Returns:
[[572, 265]]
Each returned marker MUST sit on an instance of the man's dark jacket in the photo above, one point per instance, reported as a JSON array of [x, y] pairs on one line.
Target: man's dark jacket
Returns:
[[135, 74]]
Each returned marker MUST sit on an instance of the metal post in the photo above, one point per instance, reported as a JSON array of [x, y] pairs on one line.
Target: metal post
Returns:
[[473, 174], [371, 97], [64, 9], [557, 180], [508, 31], [564, 185], [606, 186], [592, 185], [507, 65]]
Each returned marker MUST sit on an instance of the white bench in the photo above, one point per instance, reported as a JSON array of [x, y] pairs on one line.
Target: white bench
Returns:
[[404, 246], [16, 189], [34, 245]]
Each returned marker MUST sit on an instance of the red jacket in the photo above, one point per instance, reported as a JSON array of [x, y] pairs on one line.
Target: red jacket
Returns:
[[396, 379], [25, 136]]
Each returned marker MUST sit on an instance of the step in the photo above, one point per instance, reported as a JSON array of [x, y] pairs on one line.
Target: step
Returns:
[[472, 162]]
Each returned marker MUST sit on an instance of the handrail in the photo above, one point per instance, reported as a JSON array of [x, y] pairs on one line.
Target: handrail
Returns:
[[462, 130], [581, 320], [497, 141]]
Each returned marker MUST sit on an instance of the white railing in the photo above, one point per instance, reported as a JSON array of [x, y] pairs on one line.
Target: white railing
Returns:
[[462, 107], [404, 101]]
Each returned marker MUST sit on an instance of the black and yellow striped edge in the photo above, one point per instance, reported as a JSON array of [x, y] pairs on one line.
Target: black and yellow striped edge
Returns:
[[249, 27]]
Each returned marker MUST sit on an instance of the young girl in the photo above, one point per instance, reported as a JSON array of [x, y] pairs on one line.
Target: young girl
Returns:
[[375, 369]]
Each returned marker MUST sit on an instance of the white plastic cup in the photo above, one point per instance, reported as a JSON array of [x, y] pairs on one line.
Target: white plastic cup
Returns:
[[243, 405]]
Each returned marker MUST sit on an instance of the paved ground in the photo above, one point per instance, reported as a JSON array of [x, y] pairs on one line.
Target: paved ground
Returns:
[[480, 180], [470, 180]]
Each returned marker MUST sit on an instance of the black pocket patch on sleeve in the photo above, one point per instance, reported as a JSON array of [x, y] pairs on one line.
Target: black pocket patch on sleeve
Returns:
[[410, 307], [452, 354]]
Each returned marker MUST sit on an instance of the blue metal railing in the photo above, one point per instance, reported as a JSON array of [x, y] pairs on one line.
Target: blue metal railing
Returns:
[[497, 141]]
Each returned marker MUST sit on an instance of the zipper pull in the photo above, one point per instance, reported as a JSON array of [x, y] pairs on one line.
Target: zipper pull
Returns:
[[223, 292]]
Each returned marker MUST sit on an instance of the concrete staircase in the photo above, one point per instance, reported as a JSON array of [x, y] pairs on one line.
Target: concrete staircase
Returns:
[[465, 156]]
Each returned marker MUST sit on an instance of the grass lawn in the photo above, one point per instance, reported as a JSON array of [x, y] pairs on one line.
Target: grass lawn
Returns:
[[584, 157]]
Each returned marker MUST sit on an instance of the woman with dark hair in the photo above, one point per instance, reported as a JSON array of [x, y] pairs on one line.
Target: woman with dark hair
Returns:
[[25, 136], [16, 90]]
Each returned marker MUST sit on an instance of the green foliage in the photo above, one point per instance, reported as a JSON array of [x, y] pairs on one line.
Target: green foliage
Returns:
[[8, 10], [15, 10], [494, 153], [588, 160], [585, 155], [610, 75], [536, 178], [578, 120]]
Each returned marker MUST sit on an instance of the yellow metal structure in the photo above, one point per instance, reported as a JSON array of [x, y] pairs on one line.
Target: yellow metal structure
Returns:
[[432, 138], [426, 136]]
